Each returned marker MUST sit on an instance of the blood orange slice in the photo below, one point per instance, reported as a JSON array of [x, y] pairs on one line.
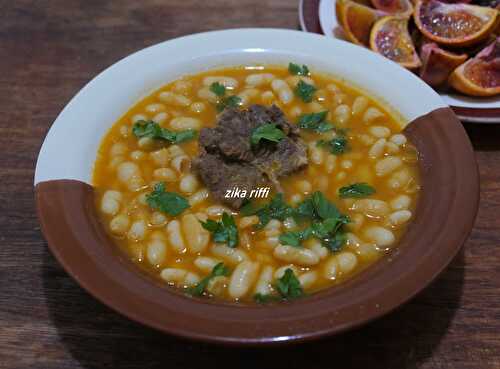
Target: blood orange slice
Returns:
[[437, 64], [356, 20], [390, 38], [454, 24], [402, 7], [480, 76]]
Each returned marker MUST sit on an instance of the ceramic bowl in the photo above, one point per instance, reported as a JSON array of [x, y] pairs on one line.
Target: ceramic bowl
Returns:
[[64, 193]]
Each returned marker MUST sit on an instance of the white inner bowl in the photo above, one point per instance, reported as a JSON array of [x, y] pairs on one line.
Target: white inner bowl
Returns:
[[69, 150]]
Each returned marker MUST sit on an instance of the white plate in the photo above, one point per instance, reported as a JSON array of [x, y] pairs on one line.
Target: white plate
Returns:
[[328, 23]]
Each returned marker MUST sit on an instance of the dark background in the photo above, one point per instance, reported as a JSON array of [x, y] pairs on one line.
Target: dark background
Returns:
[[48, 51]]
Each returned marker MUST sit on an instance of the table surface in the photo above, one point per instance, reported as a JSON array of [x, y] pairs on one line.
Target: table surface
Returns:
[[49, 50]]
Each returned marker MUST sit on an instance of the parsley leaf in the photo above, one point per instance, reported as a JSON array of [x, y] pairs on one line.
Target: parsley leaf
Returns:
[[277, 208], [298, 70], [315, 122], [152, 129], [224, 231], [295, 238], [219, 270], [230, 101], [305, 91], [267, 132], [356, 190], [167, 202], [336, 146], [336, 242], [323, 207], [289, 286], [218, 89]]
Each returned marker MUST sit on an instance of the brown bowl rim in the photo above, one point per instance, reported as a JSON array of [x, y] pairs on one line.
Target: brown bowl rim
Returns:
[[450, 193]]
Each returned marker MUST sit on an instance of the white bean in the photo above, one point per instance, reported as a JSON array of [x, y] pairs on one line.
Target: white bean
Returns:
[[380, 236], [196, 236], [331, 268], [118, 148], [160, 157], [205, 94], [399, 217], [110, 203], [165, 174], [284, 92], [401, 202], [217, 210], [377, 149], [387, 165], [371, 115], [242, 279], [205, 264], [175, 237], [263, 285], [160, 117], [174, 99], [259, 79], [188, 184], [301, 256], [359, 105], [184, 123], [347, 261], [228, 254], [380, 131], [155, 108], [119, 225], [156, 252], [398, 139], [137, 230], [371, 207], [342, 114], [307, 279], [316, 154], [198, 197], [181, 163], [227, 82]]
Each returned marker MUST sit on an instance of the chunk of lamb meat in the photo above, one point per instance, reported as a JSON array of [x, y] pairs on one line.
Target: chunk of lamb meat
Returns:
[[220, 175], [228, 160]]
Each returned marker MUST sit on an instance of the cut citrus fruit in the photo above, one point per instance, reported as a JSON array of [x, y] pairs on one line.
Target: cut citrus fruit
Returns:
[[454, 24], [480, 76], [437, 64], [390, 38], [356, 20], [400, 7]]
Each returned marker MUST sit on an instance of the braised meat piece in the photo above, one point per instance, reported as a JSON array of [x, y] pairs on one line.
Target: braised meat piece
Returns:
[[228, 160]]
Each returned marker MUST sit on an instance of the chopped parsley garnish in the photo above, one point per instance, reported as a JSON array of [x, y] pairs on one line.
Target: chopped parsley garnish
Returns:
[[170, 203], [218, 270], [268, 132], [230, 101], [224, 231], [336, 146], [305, 91], [298, 70], [288, 286], [277, 208], [315, 122], [295, 238], [218, 89], [356, 190], [326, 223], [151, 129]]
